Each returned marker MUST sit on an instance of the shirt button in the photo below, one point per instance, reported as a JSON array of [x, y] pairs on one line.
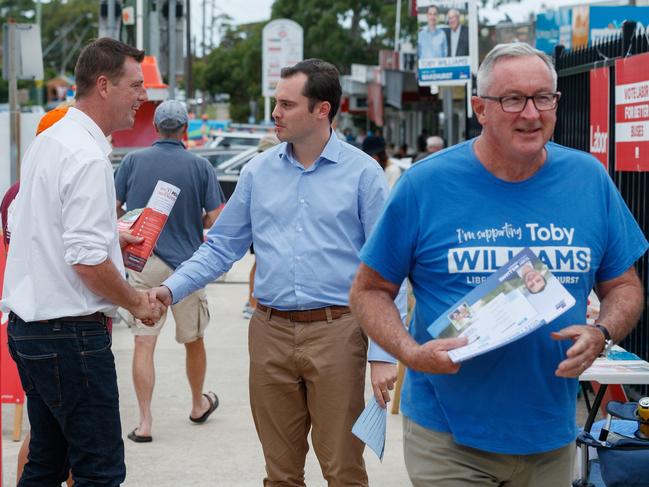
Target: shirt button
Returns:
[[298, 258], [299, 229], [302, 201]]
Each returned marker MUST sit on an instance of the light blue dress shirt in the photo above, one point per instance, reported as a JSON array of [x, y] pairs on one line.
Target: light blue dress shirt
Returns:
[[307, 226], [431, 44]]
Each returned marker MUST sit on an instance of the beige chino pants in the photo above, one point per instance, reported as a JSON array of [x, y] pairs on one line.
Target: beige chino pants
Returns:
[[434, 459], [308, 376]]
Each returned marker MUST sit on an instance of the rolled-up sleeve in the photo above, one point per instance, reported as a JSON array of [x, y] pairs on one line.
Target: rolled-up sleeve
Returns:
[[87, 210]]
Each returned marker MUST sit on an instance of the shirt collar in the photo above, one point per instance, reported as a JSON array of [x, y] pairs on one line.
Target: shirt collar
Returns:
[[93, 129], [331, 151]]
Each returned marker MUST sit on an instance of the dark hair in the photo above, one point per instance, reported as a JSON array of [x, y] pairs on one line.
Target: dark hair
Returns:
[[323, 83], [103, 56]]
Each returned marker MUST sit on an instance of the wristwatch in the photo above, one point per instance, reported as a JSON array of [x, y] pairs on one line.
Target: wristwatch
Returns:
[[608, 341]]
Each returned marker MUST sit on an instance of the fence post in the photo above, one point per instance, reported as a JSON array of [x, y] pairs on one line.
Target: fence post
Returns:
[[558, 51], [628, 28]]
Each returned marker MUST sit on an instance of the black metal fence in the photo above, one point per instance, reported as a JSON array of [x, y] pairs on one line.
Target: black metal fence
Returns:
[[573, 130]]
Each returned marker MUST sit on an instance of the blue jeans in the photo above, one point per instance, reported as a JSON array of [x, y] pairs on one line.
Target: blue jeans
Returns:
[[67, 369]]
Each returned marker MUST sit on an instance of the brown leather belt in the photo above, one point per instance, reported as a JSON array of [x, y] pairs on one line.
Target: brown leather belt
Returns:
[[94, 318], [309, 315]]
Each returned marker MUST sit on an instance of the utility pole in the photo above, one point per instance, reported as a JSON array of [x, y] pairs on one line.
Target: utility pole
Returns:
[[212, 26], [189, 80], [39, 82], [204, 24], [397, 27], [111, 19], [14, 113], [172, 49]]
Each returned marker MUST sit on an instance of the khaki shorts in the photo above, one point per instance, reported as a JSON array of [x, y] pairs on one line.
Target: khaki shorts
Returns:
[[191, 314]]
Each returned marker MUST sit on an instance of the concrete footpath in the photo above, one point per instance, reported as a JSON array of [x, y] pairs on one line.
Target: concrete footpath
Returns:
[[224, 451]]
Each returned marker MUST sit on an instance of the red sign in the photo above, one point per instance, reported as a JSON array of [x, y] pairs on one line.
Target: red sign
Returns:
[[10, 388], [599, 109], [632, 113], [375, 103]]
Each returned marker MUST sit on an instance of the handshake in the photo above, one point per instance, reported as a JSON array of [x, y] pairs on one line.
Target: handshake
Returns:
[[151, 304]]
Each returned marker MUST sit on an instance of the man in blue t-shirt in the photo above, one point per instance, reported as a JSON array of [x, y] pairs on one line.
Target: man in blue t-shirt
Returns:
[[506, 417], [196, 208]]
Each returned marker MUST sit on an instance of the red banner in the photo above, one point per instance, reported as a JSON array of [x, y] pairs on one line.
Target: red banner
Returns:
[[375, 103], [599, 113], [10, 388], [632, 113]]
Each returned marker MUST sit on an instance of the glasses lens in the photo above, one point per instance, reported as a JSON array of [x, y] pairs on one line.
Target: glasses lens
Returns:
[[545, 101], [513, 103]]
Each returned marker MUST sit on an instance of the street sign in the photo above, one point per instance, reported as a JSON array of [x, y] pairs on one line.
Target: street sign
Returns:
[[632, 113], [282, 45], [26, 49]]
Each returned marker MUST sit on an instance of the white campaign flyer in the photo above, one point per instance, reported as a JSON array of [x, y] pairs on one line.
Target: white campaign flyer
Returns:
[[520, 297]]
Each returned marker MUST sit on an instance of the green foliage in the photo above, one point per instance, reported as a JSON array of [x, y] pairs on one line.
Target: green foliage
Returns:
[[235, 68], [57, 16], [340, 31]]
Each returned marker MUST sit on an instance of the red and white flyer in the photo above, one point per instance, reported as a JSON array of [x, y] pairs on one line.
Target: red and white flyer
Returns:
[[148, 223]]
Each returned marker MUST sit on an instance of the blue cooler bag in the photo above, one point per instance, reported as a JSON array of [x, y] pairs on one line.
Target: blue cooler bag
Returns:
[[624, 463], [623, 460]]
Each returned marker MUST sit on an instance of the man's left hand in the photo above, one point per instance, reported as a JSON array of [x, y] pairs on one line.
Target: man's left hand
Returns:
[[588, 344], [126, 238], [383, 376]]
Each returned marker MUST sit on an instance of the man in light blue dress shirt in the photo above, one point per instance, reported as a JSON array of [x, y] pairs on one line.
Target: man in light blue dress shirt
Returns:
[[431, 41], [308, 205]]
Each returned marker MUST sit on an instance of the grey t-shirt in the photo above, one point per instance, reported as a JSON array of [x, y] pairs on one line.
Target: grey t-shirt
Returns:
[[169, 161]]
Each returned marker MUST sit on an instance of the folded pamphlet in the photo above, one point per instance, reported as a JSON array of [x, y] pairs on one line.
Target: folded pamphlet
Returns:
[[520, 297], [148, 223]]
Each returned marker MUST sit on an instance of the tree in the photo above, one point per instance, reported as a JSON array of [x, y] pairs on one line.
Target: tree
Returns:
[[340, 31], [57, 16], [345, 31], [235, 68]]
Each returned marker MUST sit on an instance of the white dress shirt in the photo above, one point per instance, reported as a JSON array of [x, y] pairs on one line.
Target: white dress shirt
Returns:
[[64, 215], [455, 38]]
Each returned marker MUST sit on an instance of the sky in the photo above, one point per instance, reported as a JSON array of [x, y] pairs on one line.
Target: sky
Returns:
[[241, 11]]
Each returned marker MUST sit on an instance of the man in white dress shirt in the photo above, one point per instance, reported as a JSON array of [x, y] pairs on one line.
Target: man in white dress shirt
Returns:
[[65, 277]]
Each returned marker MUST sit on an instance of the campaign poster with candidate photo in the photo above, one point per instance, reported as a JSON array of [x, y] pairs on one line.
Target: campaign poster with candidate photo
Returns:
[[443, 42]]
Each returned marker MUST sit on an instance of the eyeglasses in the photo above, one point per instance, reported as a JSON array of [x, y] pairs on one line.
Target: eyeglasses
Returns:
[[517, 103]]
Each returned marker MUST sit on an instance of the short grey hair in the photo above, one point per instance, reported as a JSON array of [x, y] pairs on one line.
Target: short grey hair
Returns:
[[435, 141], [513, 49]]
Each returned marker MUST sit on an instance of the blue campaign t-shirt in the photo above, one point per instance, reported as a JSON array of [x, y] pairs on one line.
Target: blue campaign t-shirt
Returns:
[[169, 161], [448, 224]]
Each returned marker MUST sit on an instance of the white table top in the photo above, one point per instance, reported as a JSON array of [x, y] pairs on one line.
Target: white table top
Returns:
[[607, 371]]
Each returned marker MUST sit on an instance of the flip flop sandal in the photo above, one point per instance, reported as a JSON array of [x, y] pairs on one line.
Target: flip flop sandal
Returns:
[[214, 403], [133, 436]]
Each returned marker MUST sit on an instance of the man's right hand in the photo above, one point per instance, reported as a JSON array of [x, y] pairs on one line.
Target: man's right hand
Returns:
[[148, 310], [162, 294], [432, 357]]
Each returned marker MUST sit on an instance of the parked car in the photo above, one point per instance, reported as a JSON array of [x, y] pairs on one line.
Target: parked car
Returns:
[[229, 170], [217, 156], [232, 140]]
